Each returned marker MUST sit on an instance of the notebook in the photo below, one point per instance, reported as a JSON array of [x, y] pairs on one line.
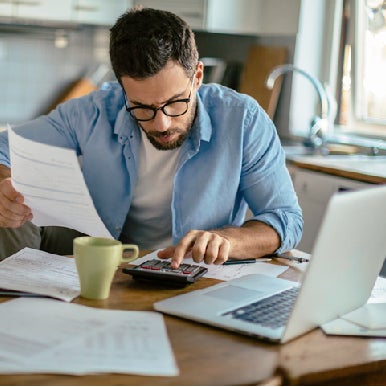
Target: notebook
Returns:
[[346, 260]]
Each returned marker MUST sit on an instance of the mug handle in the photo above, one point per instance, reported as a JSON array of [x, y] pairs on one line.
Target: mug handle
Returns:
[[134, 248]]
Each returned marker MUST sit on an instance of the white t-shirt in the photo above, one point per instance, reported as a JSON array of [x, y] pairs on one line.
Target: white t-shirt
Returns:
[[149, 221]]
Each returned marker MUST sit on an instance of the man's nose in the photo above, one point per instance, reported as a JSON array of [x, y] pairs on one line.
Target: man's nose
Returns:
[[161, 121]]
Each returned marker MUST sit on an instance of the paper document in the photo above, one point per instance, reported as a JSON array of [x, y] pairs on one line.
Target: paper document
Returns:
[[371, 316], [378, 293], [53, 186], [365, 321], [39, 272], [42, 335], [368, 320], [227, 273]]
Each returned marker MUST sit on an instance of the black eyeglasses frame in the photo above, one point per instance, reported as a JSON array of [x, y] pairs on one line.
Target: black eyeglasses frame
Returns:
[[155, 109]]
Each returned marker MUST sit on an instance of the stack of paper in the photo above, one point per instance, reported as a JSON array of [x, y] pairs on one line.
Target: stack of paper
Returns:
[[36, 271], [48, 336]]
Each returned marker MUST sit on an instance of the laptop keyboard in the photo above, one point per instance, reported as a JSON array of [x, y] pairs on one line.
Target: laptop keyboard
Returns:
[[272, 312]]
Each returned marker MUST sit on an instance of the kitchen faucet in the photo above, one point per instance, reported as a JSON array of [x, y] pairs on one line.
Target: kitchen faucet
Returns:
[[319, 125]]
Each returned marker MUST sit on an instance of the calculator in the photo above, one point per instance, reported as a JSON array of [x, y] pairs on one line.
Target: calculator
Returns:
[[161, 271]]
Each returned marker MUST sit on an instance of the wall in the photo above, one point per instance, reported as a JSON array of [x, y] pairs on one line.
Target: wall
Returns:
[[234, 48], [34, 71], [317, 47]]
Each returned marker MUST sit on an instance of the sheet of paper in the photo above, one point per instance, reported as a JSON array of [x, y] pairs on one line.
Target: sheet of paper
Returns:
[[39, 272], [53, 186], [379, 291], [227, 272], [342, 327], [75, 339], [368, 320], [371, 316]]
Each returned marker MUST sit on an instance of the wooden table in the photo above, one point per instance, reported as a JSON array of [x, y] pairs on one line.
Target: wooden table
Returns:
[[210, 356]]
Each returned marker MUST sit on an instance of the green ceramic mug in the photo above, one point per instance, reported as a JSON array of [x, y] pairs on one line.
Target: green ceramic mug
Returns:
[[97, 260]]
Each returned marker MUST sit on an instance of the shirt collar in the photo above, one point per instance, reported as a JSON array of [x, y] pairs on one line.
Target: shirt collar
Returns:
[[202, 123], [125, 125]]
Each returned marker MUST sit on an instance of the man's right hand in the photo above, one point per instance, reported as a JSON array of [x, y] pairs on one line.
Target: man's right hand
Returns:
[[13, 212]]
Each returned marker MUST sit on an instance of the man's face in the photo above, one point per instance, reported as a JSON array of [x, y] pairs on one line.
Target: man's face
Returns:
[[169, 85]]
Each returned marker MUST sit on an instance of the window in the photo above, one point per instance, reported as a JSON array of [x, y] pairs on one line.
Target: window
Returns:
[[362, 89]]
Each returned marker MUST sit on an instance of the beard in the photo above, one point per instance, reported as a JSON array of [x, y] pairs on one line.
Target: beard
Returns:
[[182, 131], [154, 135]]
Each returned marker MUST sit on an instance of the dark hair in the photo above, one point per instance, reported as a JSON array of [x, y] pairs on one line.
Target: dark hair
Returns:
[[143, 40]]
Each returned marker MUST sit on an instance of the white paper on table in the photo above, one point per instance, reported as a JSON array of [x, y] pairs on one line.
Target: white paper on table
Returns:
[[378, 294], [368, 320], [47, 336], [370, 316], [53, 186], [226, 272], [343, 327], [36, 271]]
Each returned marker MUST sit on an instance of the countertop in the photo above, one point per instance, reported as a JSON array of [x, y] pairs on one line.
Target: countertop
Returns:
[[370, 169]]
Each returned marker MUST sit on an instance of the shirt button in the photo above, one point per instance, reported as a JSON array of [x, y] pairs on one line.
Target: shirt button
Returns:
[[117, 228]]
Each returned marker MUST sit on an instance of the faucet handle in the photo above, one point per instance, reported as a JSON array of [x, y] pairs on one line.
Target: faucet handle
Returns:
[[318, 127]]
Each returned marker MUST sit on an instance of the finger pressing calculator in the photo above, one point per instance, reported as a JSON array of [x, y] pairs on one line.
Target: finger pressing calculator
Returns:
[[161, 271]]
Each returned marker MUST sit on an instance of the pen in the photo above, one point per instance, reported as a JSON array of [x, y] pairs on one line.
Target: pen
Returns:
[[239, 261], [16, 293], [291, 258]]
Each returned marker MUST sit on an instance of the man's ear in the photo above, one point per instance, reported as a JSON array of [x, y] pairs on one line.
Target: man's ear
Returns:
[[199, 75]]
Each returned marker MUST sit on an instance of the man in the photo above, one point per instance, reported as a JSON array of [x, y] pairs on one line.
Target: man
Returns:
[[168, 161]]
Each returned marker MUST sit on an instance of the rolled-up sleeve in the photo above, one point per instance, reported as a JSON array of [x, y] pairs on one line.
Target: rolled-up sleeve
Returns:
[[4, 149], [266, 183]]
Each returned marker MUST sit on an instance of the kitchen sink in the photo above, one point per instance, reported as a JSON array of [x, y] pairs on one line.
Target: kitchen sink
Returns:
[[345, 145]]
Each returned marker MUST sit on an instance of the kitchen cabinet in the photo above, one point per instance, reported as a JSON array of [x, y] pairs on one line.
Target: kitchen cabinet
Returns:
[[257, 17], [234, 16], [193, 12], [6, 8], [100, 12], [314, 190], [53, 10], [49, 10], [93, 12]]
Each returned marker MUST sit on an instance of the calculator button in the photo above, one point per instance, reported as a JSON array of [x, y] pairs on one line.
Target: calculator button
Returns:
[[148, 264], [195, 269], [159, 265]]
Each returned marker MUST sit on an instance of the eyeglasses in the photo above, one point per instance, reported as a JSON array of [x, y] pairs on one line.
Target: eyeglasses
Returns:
[[172, 109]]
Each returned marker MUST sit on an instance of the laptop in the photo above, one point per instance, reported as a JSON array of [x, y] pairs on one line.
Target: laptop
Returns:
[[345, 262]]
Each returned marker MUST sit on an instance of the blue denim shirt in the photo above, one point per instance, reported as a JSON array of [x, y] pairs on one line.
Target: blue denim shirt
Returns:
[[232, 159]]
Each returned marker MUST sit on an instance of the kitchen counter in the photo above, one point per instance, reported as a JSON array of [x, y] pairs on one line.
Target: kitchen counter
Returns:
[[370, 169]]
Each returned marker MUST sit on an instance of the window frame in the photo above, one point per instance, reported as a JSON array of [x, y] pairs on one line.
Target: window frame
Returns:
[[357, 123]]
